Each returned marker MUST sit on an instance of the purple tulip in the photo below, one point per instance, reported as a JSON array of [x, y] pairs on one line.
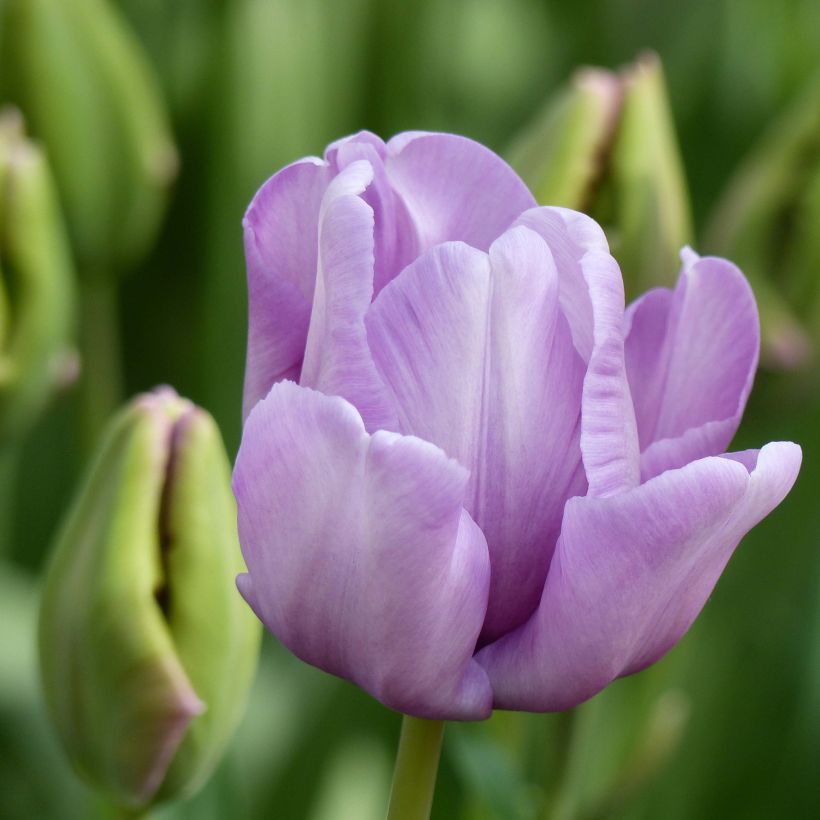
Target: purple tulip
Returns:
[[493, 486]]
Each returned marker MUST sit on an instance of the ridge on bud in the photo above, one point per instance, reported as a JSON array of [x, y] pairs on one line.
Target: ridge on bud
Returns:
[[147, 651]]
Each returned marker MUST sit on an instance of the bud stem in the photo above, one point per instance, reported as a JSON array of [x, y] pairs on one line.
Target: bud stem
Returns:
[[101, 376], [414, 778], [8, 475]]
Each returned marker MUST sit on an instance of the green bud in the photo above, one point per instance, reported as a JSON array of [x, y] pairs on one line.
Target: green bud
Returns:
[[767, 222], [147, 650], [606, 145], [561, 156], [36, 283], [91, 97]]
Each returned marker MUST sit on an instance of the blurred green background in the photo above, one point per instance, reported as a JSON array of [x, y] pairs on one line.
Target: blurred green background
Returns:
[[728, 725]]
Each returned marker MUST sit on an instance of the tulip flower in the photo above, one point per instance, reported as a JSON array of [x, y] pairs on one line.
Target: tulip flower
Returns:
[[147, 652], [492, 487]]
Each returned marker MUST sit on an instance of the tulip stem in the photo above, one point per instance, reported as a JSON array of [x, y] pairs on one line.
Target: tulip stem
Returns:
[[414, 778], [101, 376]]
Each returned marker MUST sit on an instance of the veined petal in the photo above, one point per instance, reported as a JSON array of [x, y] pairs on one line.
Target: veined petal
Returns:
[[396, 240], [631, 573], [570, 235], [360, 557], [592, 299], [479, 360], [609, 436], [691, 358], [337, 360], [281, 226], [454, 188]]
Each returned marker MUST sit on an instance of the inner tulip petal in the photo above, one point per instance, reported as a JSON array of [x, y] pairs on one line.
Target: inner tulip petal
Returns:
[[479, 360], [691, 358], [454, 188]]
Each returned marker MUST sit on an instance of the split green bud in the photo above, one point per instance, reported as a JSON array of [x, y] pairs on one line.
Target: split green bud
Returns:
[[81, 78], [147, 650], [606, 145], [767, 221], [36, 283]]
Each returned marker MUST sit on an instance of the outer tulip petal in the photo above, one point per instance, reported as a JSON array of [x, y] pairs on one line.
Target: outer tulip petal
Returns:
[[280, 227], [337, 359], [480, 361], [630, 574], [360, 557], [691, 358], [454, 188]]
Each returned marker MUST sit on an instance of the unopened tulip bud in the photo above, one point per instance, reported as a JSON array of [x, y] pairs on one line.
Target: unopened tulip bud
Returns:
[[561, 157], [607, 146], [147, 651], [767, 220], [79, 74], [36, 283]]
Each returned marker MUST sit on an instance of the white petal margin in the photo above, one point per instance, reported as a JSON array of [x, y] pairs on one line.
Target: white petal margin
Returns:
[[360, 557], [630, 575]]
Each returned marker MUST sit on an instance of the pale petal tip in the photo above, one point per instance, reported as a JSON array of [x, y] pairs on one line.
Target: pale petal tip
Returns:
[[688, 257]]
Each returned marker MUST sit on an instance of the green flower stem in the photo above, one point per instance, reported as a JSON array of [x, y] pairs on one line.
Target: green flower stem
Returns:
[[101, 375], [8, 474], [414, 778]]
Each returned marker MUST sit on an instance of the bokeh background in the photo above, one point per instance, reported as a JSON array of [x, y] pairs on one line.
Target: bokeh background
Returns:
[[727, 725]]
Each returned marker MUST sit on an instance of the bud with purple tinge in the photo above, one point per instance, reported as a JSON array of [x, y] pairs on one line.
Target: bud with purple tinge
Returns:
[[147, 651]]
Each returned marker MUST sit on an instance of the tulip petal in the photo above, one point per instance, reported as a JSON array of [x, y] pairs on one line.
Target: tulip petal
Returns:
[[480, 361], [572, 289], [454, 188], [631, 573], [337, 359], [280, 227], [609, 436], [691, 358], [360, 557], [396, 241], [592, 299]]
